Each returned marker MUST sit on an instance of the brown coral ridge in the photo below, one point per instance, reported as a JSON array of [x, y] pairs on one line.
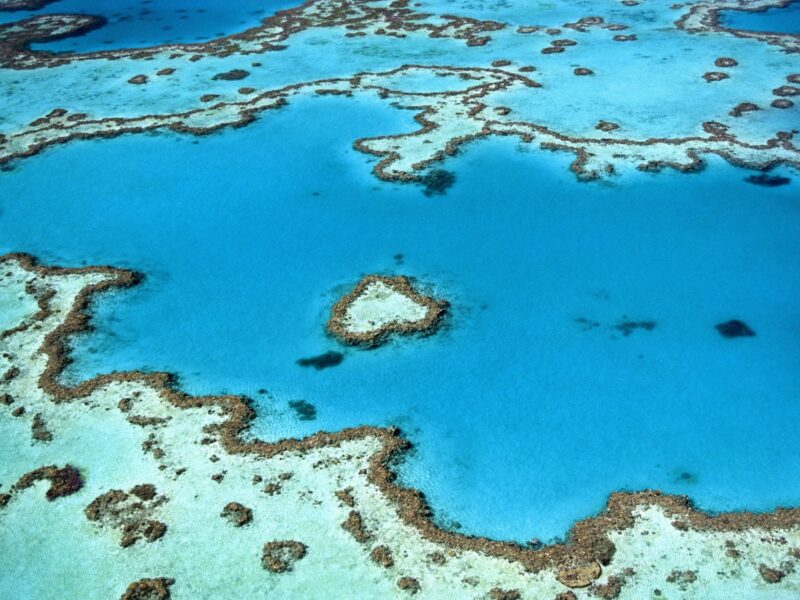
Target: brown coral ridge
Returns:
[[578, 166], [579, 576], [612, 588], [64, 481], [80, 126], [148, 589], [396, 20], [436, 309], [587, 541], [382, 555], [354, 525], [245, 111], [408, 584], [130, 512], [237, 514], [280, 556], [501, 594]]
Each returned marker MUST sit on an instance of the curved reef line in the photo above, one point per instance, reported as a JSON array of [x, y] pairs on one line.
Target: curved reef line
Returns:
[[357, 16], [460, 114], [587, 542]]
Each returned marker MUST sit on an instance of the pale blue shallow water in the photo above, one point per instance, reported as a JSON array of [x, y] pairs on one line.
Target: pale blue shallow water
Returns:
[[523, 418], [778, 20]]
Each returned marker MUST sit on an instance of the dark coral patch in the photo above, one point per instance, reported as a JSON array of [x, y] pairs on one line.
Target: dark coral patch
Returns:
[[232, 75], [148, 589], [409, 584], [382, 555], [725, 62], [354, 525], [501, 594], [130, 512], [715, 76], [768, 180], [39, 430], [606, 126], [63, 482], [771, 575], [734, 328], [322, 361], [437, 182], [743, 107], [279, 557], [305, 411], [786, 90], [627, 327], [237, 514]]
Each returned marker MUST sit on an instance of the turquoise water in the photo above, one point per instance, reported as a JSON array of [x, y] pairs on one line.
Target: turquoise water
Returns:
[[139, 23], [531, 405], [778, 20]]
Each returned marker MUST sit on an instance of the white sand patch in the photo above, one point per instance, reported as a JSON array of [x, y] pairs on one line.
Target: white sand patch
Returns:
[[380, 305]]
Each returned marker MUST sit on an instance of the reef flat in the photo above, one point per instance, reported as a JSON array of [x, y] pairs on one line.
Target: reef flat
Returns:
[[200, 88], [294, 516]]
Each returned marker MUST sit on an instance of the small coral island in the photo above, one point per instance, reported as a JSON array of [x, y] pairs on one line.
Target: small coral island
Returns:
[[379, 306]]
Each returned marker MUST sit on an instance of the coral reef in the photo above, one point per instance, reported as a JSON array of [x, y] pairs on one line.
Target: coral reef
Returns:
[[280, 556], [379, 306]]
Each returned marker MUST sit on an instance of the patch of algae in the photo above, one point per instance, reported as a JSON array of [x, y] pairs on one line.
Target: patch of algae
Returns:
[[125, 434]]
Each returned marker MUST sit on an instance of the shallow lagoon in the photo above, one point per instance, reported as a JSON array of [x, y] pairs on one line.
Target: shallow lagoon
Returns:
[[525, 414]]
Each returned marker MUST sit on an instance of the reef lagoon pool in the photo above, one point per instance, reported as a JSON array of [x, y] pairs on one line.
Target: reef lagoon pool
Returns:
[[580, 356]]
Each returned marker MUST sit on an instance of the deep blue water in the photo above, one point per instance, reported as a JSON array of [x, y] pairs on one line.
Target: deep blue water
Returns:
[[779, 20], [139, 23], [531, 405]]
